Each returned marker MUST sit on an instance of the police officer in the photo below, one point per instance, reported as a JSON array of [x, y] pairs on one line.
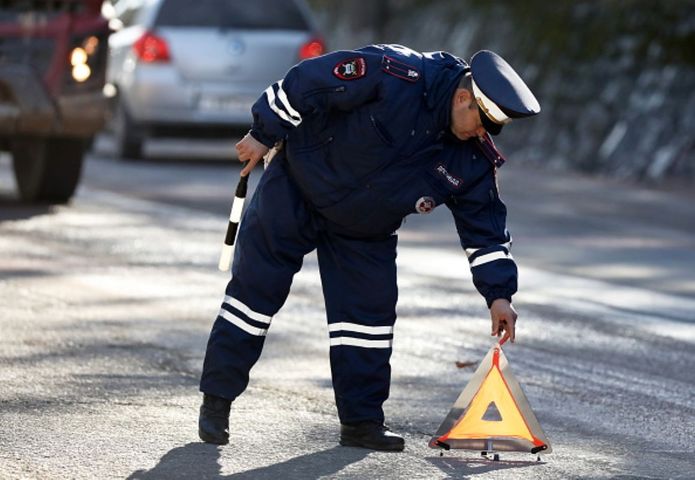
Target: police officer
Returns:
[[370, 136]]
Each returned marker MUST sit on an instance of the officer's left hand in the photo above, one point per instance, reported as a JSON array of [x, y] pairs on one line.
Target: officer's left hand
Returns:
[[248, 148], [503, 318]]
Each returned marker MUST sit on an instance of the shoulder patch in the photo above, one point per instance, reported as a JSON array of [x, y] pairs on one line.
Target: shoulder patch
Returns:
[[351, 69], [399, 69], [452, 180]]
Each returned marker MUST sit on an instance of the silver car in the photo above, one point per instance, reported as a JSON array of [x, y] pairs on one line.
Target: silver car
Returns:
[[193, 69]]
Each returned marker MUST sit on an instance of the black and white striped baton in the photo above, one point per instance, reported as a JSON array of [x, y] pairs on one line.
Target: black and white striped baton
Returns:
[[235, 215], [233, 225]]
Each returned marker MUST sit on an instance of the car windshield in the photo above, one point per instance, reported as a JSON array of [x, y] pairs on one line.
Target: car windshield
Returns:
[[241, 14]]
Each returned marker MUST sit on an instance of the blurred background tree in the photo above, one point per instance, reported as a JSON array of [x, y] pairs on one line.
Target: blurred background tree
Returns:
[[615, 78]]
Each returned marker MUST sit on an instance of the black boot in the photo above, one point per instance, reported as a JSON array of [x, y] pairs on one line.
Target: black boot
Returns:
[[372, 435], [213, 423]]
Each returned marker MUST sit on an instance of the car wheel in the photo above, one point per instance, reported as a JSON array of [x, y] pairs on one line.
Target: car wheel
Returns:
[[128, 141], [47, 169]]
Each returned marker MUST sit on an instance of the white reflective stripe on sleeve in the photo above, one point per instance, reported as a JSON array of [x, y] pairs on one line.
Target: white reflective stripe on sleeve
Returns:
[[354, 327], [237, 208], [359, 342], [282, 95], [280, 113], [234, 320], [490, 257], [259, 317], [471, 251]]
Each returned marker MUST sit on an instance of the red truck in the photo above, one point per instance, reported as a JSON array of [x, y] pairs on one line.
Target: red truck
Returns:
[[53, 56]]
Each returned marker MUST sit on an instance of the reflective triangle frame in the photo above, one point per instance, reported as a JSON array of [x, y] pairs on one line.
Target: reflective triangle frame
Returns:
[[492, 383]]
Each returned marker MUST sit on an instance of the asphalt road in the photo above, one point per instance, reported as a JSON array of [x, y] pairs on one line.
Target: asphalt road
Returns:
[[107, 304]]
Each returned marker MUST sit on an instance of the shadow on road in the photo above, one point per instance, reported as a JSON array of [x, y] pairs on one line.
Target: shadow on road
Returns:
[[464, 468], [194, 460], [201, 460], [165, 150], [12, 209], [181, 160]]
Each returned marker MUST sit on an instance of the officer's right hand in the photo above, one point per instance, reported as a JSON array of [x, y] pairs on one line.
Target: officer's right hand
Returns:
[[503, 317], [251, 150]]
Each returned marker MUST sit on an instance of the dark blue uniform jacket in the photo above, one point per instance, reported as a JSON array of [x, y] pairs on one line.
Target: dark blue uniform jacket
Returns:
[[367, 143]]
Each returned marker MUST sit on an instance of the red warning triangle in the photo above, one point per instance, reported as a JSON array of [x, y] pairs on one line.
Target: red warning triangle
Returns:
[[492, 413]]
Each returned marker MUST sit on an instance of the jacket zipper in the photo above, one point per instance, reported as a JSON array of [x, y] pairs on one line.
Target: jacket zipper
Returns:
[[380, 131]]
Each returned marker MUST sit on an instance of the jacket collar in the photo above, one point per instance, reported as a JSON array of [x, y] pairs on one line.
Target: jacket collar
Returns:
[[442, 72]]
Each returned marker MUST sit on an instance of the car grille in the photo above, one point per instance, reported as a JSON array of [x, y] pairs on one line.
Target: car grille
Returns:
[[37, 52]]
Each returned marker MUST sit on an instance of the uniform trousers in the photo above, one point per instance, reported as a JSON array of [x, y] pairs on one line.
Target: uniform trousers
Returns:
[[358, 276]]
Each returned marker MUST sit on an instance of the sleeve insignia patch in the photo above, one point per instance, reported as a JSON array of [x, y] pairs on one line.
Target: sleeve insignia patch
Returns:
[[399, 69], [452, 180], [351, 69], [425, 205]]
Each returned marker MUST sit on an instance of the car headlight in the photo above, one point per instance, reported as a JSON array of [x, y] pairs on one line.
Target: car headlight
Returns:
[[86, 58], [81, 72], [78, 56]]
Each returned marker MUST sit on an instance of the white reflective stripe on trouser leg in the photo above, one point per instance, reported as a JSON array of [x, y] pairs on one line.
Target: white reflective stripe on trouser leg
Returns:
[[360, 342], [491, 257], [355, 327], [234, 320], [280, 113], [259, 317]]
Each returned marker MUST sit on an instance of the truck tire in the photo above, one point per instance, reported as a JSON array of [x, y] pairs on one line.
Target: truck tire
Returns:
[[128, 144], [47, 170]]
